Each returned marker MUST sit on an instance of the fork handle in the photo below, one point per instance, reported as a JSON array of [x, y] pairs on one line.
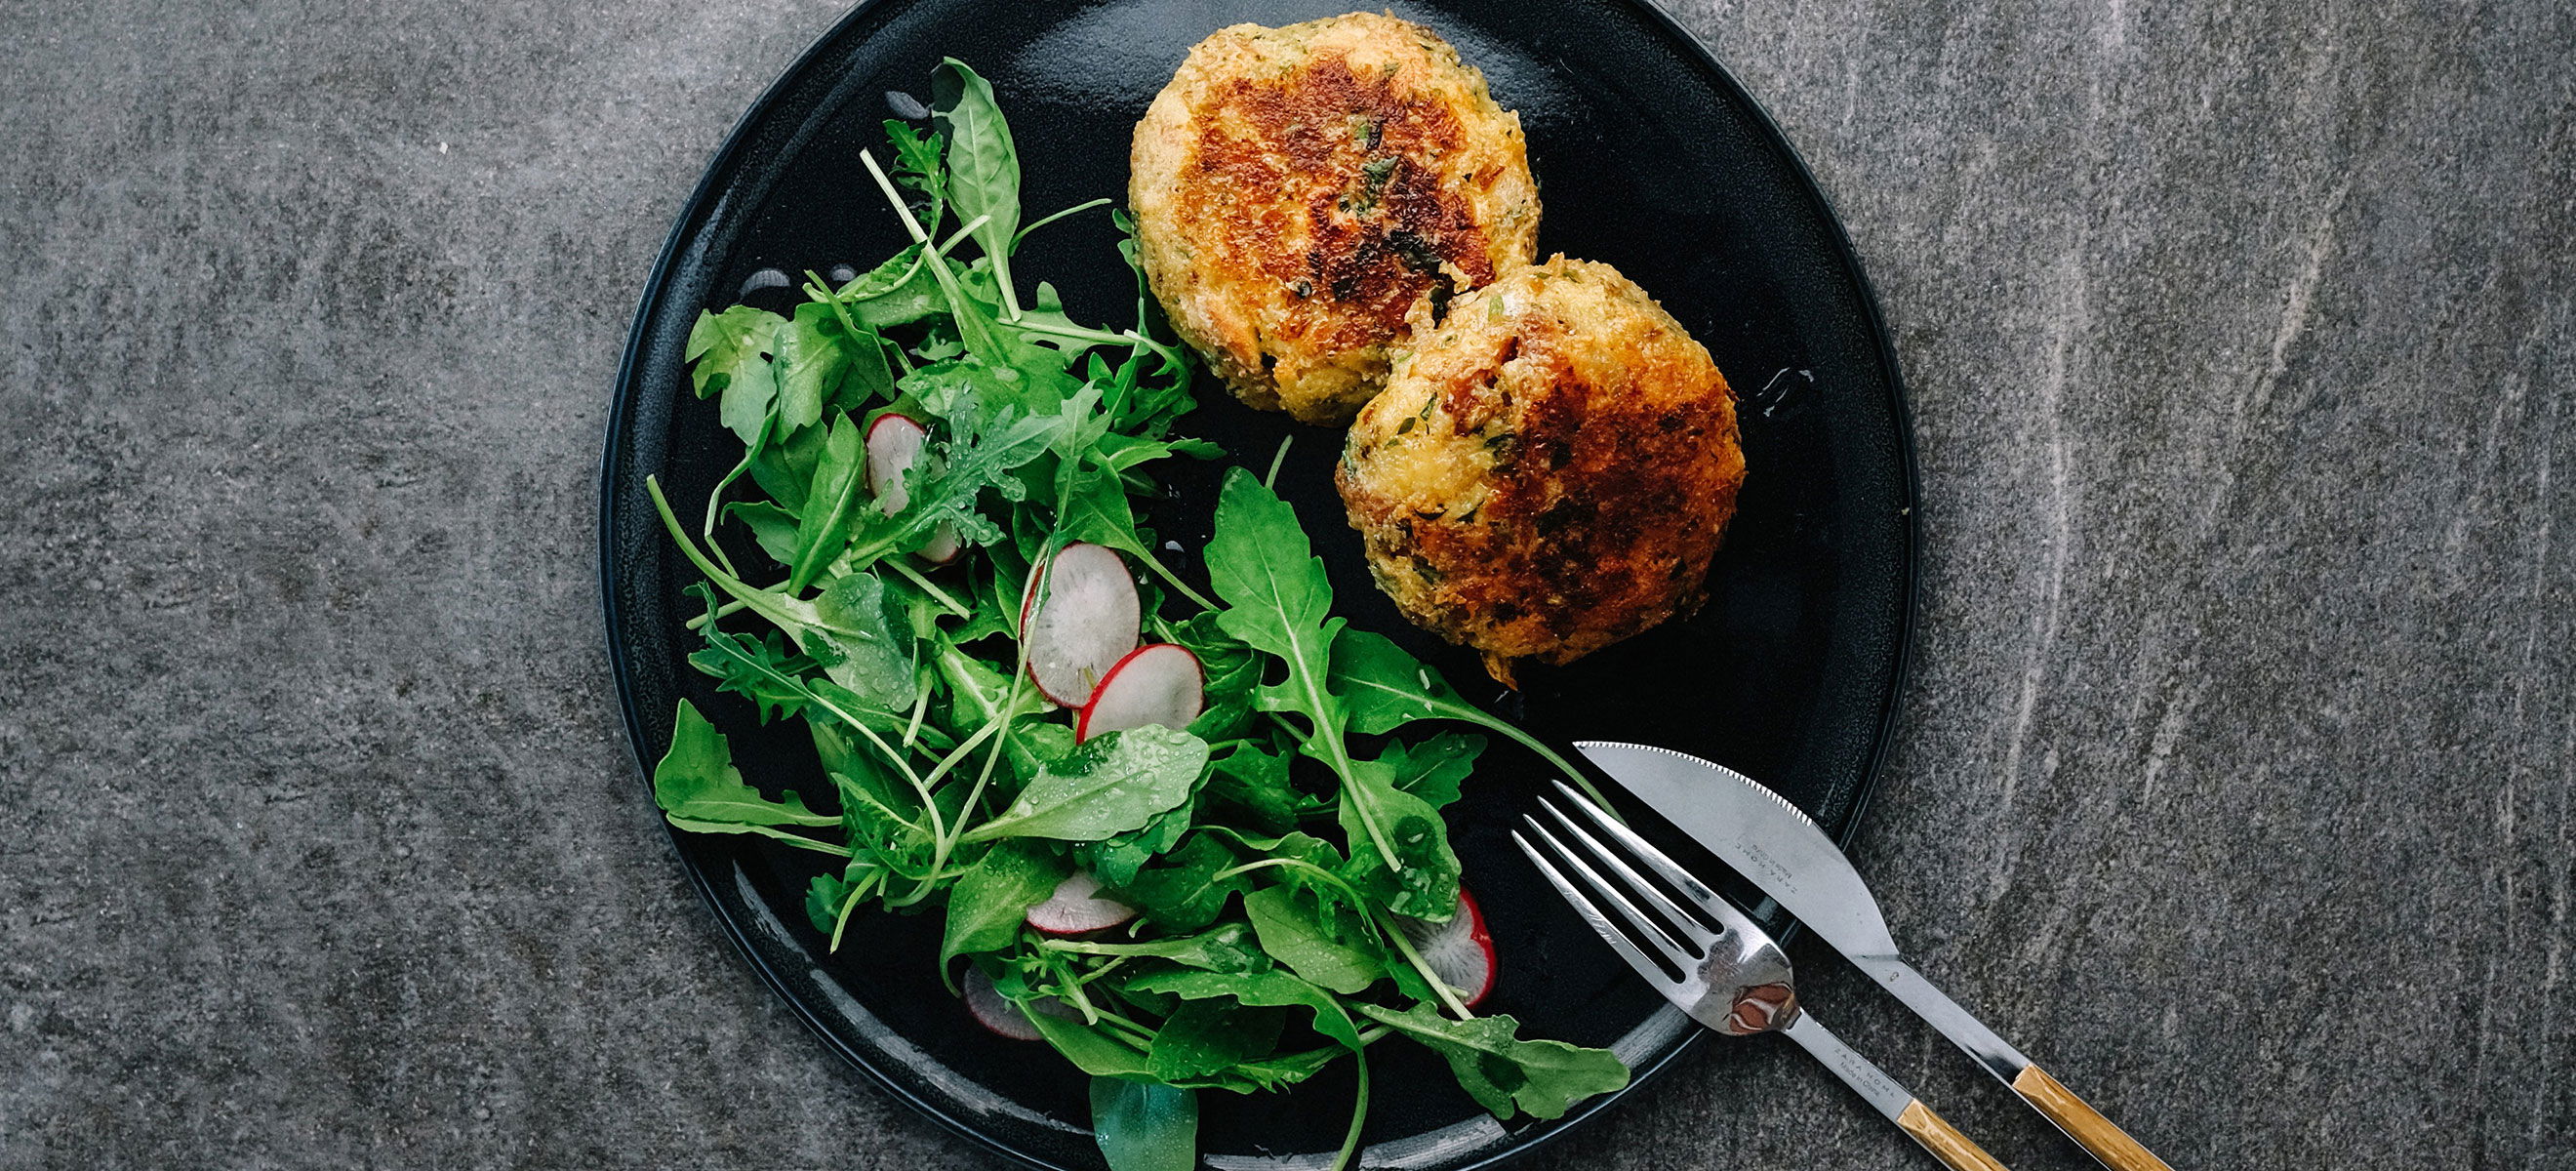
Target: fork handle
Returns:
[[2081, 1122], [1956, 1151], [1898, 1104]]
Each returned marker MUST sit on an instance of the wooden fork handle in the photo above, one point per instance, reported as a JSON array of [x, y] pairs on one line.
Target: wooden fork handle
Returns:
[[1956, 1151], [2083, 1123]]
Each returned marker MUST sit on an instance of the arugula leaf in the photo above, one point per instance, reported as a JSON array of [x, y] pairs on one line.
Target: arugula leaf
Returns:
[[899, 292], [1144, 1127], [773, 527], [1116, 859], [983, 166], [1108, 784], [918, 166], [991, 899], [1273, 988], [1279, 601], [1289, 929], [823, 899], [1207, 1036], [1226, 949], [862, 642], [1184, 891], [875, 832], [1090, 1048], [1275, 1072], [728, 354], [784, 467], [1433, 769], [1421, 879], [1255, 782], [799, 841], [833, 500], [1502, 1072], [813, 357], [1387, 689], [968, 461], [697, 781], [760, 671]]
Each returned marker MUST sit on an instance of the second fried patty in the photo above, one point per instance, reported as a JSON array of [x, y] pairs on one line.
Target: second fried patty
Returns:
[[1549, 471], [1300, 192]]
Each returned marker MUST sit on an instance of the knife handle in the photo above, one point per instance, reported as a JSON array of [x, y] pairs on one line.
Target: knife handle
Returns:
[[2083, 1123], [1956, 1151]]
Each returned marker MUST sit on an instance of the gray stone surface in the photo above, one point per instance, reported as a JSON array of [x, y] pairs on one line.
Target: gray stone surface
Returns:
[[2235, 779]]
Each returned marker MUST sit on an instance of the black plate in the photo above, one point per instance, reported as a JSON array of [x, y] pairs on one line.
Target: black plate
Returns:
[[1650, 157]]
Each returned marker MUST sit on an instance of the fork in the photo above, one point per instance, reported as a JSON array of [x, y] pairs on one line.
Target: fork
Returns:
[[1713, 962]]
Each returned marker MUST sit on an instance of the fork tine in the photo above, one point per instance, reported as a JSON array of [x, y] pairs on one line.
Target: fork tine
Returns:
[[1654, 973], [1653, 896], [1684, 959], [1718, 910]]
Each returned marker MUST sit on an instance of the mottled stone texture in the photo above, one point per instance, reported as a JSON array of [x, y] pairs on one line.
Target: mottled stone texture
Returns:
[[2235, 777]]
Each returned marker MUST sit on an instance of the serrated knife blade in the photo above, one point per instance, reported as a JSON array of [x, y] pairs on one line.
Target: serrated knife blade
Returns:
[[1779, 849]]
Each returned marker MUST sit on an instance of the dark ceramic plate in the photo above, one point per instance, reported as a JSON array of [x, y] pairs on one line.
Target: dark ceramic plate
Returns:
[[1650, 157]]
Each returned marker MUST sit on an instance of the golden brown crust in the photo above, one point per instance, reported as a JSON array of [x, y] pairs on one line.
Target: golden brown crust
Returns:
[[1549, 471], [1300, 192]]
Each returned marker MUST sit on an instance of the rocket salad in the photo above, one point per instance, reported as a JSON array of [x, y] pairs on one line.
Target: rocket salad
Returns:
[[1170, 830]]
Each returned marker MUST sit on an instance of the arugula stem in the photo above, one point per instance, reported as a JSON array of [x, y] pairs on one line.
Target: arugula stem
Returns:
[[937, 594], [858, 892], [959, 236], [1271, 480], [707, 531], [1359, 1115], [1482, 719], [1076, 209], [969, 316], [1115, 962], [943, 840], [1173, 580], [732, 607], [751, 598], [1448, 996], [1319, 699], [962, 751]]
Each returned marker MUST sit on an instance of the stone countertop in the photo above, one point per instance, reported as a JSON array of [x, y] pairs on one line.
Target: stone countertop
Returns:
[[2235, 777]]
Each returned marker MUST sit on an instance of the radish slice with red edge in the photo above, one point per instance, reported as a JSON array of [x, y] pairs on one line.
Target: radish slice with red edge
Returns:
[[1003, 1015], [894, 445], [1078, 908], [1459, 951], [1158, 683], [1086, 622]]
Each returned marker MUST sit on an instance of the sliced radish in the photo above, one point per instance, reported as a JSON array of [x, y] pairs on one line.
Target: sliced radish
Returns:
[[1077, 907], [1004, 1016], [1458, 951], [894, 445], [1158, 683], [1084, 625]]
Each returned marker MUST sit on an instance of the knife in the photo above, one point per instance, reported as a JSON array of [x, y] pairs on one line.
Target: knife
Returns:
[[1777, 848]]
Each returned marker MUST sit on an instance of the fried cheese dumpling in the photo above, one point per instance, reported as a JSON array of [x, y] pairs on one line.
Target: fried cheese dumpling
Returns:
[[1548, 471], [1300, 191]]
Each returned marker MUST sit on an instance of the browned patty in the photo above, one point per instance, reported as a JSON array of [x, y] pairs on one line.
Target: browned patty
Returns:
[[1549, 471], [1301, 192]]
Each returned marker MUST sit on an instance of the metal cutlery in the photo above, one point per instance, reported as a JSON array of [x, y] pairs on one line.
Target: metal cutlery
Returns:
[[1777, 848], [1710, 960]]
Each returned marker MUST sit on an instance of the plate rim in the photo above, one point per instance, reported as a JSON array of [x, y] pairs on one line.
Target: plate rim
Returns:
[[623, 392]]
